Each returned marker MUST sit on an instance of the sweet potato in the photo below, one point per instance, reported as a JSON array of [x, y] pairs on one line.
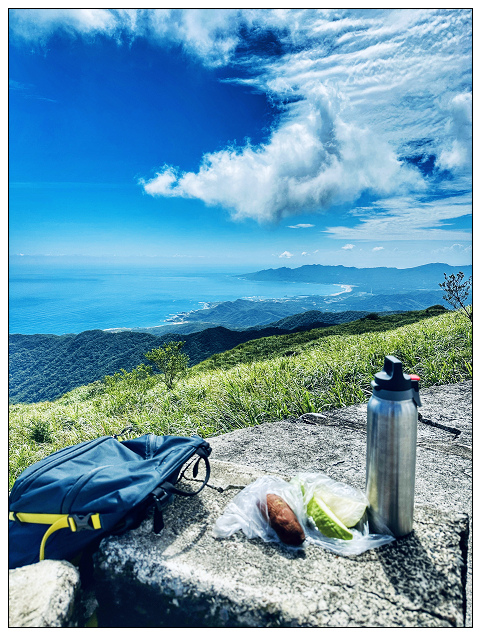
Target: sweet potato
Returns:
[[282, 520]]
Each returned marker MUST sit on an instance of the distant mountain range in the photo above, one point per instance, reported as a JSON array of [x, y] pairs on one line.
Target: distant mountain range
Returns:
[[247, 314], [381, 279], [43, 367]]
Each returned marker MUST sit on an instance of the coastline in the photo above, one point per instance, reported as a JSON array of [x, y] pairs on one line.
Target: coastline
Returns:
[[346, 289], [182, 318]]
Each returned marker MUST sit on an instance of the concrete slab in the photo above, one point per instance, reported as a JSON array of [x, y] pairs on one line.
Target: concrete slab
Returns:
[[336, 445], [185, 577]]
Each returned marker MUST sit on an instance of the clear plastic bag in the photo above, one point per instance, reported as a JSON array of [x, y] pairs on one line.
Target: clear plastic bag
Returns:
[[244, 513]]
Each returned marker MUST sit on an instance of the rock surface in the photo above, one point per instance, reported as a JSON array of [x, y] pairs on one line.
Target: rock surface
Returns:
[[186, 577], [43, 595]]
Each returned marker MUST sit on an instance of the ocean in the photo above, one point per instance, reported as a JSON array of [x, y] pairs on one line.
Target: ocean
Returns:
[[59, 300]]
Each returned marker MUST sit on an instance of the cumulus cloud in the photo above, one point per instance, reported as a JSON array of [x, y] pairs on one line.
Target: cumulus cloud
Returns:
[[349, 246], [313, 160], [377, 249], [301, 225], [456, 248], [163, 182], [286, 255], [367, 88]]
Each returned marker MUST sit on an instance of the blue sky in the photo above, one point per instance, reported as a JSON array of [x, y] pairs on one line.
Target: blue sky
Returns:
[[241, 138]]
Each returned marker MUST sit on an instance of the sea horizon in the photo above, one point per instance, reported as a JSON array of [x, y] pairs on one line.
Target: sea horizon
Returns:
[[67, 300]]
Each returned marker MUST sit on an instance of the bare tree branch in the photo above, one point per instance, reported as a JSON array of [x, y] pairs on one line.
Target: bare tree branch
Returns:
[[457, 292]]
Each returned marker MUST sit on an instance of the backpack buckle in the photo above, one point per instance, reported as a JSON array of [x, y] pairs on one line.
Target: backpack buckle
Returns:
[[160, 497], [82, 522]]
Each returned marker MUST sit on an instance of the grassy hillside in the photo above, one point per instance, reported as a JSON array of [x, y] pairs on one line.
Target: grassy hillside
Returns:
[[327, 372], [44, 367], [291, 344]]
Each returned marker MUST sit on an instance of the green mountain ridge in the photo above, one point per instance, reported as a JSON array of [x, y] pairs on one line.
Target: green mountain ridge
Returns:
[[44, 367]]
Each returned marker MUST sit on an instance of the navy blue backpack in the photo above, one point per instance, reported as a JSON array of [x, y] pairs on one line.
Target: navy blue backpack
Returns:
[[72, 498]]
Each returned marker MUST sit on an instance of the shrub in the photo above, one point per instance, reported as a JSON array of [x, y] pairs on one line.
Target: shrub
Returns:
[[169, 360], [41, 432]]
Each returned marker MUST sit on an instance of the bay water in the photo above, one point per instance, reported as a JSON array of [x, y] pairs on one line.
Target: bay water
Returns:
[[70, 299]]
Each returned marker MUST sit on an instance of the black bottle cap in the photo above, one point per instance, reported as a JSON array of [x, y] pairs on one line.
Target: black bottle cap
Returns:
[[392, 378]]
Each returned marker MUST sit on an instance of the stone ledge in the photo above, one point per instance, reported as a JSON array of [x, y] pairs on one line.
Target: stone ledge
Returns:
[[185, 577], [336, 445]]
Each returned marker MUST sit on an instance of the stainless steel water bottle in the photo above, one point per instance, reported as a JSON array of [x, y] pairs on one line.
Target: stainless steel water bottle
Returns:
[[392, 417]]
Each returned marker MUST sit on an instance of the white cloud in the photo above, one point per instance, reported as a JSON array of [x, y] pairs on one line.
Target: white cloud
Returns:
[[349, 246], [408, 218], [369, 91], [377, 249], [456, 248], [286, 255], [162, 183], [38, 25], [312, 160], [370, 87], [301, 225], [456, 145], [211, 35], [389, 67]]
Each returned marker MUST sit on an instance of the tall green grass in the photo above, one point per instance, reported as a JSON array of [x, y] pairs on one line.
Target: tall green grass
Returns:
[[326, 373]]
